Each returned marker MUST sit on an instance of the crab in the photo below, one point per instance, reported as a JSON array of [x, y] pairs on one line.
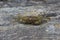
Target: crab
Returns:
[[31, 20], [35, 20], [33, 17]]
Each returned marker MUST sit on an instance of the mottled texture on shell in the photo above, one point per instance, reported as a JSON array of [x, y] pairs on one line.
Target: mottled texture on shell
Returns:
[[31, 20], [35, 20]]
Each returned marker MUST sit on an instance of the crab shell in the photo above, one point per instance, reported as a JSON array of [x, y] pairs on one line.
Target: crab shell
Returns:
[[31, 20], [30, 17]]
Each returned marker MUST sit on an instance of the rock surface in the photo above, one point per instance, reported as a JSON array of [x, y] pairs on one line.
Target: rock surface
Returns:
[[10, 31]]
